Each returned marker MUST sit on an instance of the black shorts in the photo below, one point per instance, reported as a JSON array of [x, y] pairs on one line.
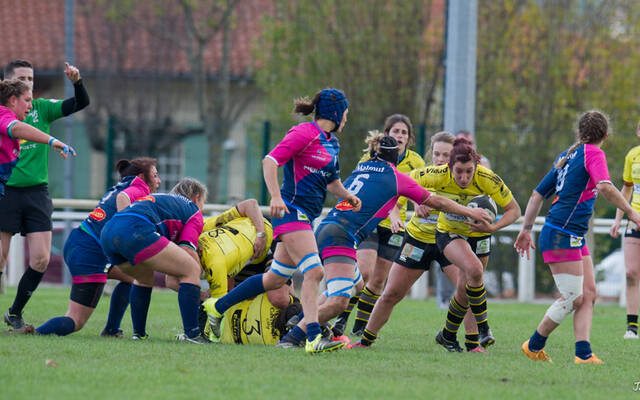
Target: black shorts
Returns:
[[26, 210], [480, 245], [385, 242], [632, 230], [419, 255]]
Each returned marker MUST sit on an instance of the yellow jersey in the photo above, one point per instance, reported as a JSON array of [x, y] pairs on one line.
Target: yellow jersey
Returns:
[[422, 229], [251, 322], [226, 246], [441, 181], [631, 175], [409, 162]]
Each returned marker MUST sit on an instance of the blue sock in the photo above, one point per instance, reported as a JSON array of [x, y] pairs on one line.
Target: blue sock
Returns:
[[251, 287], [313, 330], [189, 302], [140, 298], [583, 349], [61, 326], [537, 341], [117, 307], [296, 335]]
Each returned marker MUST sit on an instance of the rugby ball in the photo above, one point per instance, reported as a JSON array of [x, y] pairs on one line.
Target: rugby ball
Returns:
[[485, 202]]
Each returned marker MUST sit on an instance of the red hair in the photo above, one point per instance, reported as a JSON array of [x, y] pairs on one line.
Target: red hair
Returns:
[[462, 152]]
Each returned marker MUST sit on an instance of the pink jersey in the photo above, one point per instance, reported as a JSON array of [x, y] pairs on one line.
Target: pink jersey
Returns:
[[9, 146], [310, 159]]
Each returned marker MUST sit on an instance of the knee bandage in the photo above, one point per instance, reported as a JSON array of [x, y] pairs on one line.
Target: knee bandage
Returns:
[[570, 288], [283, 270], [339, 287], [309, 262]]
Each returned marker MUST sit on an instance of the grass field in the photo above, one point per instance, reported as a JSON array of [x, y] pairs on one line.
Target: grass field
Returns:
[[404, 363]]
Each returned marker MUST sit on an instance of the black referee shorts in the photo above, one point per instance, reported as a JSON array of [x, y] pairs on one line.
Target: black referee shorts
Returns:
[[26, 209]]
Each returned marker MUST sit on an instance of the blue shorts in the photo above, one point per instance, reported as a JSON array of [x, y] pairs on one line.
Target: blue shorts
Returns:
[[560, 246], [84, 257], [333, 240], [296, 220], [132, 238]]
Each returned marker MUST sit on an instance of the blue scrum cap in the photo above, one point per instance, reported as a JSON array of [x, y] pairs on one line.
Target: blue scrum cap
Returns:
[[331, 105]]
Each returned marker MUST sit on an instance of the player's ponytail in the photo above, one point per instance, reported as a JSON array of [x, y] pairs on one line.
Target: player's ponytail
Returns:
[[137, 166], [382, 147], [593, 127]]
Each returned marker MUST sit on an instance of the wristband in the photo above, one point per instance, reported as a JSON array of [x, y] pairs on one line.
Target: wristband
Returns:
[[260, 234], [51, 140]]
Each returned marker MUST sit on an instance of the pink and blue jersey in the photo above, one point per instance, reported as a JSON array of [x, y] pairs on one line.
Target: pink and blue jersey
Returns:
[[310, 159], [132, 186], [575, 187], [378, 184], [9, 146], [175, 217]]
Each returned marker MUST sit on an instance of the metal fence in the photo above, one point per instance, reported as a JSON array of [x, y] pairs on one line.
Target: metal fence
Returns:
[[69, 212]]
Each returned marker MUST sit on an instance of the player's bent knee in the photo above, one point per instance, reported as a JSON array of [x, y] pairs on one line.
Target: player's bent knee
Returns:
[[570, 287]]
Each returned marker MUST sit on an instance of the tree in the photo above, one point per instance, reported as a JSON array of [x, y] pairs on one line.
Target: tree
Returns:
[[192, 25], [385, 54], [116, 91]]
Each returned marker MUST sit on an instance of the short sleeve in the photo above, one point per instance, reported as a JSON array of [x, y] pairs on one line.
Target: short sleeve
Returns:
[[595, 162], [547, 185], [136, 190], [191, 231], [50, 109], [293, 143], [494, 186]]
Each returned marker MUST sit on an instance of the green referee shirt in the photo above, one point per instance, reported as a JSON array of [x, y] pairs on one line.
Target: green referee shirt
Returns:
[[33, 165]]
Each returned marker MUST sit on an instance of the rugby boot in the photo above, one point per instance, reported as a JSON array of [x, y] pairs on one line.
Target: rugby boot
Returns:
[[450, 345], [322, 345], [539, 355]]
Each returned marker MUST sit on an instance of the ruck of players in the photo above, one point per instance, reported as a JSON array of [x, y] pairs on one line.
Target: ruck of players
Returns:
[[234, 272]]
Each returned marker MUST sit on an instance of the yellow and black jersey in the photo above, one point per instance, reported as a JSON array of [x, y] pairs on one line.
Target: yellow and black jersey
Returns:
[[422, 229], [226, 246], [440, 181], [251, 322], [410, 161], [631, 175]]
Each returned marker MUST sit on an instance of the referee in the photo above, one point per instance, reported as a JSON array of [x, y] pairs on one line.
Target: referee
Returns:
[[26, 207]]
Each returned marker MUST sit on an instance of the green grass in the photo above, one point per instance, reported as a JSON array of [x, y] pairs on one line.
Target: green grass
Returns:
[[404, 363]]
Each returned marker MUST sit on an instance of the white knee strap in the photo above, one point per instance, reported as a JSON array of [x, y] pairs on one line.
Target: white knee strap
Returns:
[[339, 287], [309, 262], [570, 288], [283, 270]]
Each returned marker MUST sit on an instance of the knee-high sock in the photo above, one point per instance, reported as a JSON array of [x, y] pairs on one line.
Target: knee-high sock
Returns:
[[365, 306], [140, 298], [117, 307], [477, 297], [352, 303], [27, 285], [455, 315], [61, 326], [189, 300], [251, 287]]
